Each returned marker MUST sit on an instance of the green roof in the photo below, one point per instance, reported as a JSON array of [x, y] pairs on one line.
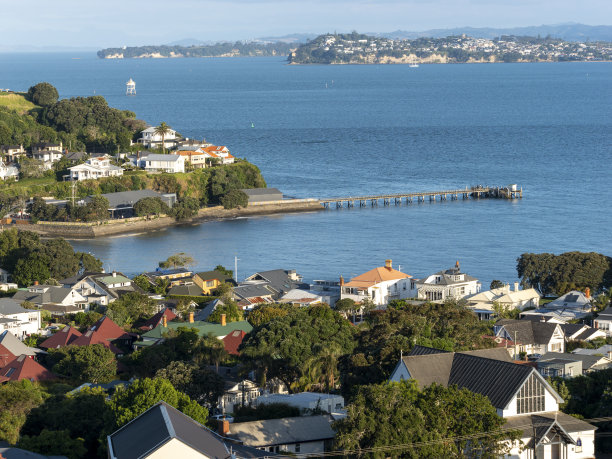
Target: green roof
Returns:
[[114, 280], [204, 328]]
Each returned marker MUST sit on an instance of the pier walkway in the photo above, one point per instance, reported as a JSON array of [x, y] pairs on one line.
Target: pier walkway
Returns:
[[475, 192]]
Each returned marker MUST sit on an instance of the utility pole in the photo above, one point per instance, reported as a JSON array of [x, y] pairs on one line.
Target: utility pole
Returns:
[[236, 268]]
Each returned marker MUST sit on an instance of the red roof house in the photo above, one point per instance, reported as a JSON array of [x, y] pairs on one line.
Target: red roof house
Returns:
[[103, 332], [233, 340], [24, 367], [62, 338], [158, 318]]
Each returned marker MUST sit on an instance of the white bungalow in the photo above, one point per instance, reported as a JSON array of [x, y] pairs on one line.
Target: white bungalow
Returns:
[[162, 163], [380, 285], [95, 168], [482, 303], [19, 321], [150, 139], [443, 285]]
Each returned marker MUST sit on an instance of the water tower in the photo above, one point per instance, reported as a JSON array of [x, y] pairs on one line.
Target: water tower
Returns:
[[130, 88]]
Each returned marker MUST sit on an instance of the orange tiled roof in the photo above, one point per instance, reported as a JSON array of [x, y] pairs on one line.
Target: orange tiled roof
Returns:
[[376, 276]]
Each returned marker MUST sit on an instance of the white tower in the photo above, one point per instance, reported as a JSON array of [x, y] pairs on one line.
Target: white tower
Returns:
[[130, 88]]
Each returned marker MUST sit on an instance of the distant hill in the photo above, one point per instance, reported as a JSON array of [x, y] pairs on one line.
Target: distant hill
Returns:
[[567, 32]]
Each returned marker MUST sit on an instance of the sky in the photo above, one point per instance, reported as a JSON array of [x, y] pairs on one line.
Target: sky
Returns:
[[114, 23]]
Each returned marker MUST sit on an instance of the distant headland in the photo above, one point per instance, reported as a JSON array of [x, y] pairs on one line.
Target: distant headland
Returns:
[[226, 49]]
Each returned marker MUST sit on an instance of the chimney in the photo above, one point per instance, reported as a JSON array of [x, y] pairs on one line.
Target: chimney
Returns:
[[341, 280], [457, 264], [587, 293], [388, 265], [223, 322], [223, 427], [191, 317], [35, 282], [164, 322], [114, 273], [516, 286]]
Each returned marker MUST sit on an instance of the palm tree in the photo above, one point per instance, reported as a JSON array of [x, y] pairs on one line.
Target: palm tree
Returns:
[[163, 129]]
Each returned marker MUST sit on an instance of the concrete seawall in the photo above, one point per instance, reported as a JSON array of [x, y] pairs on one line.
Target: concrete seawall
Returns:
[[141, 224]]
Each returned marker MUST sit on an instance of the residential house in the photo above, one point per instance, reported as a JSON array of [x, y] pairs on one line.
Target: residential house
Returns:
[[307, 401], [566, 365], [203, 314], [121, 204], [232, 341], [11, 347], [19, 321], [296, 435], [65, 337], [250, 295], [164, 432], [24, 367], [197, 158], [149, 139], [101, 288], [12, 153], [107, 333], [581, 332], [519, 393], [263, 195], [266, 287], [221, 153], [153, 162], [571, 306], [482, 303], [603, 321], [55, 299], [301, 297], [208, 281], [605, 350], [95, 168], [47, 153], [76, 156], [380, 285], [443, 285], [158, 319], [242, 393], [530, 337], [175, 276], [185, 289], [546, 315], [8, 172]]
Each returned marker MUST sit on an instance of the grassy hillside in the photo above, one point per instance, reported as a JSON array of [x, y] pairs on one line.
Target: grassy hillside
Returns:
[[17, 102]]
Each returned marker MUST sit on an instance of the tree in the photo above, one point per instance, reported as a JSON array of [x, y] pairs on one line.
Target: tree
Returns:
[[33, 267], [231, 310], [151, 206], [265, 411], [86, 319], [88, 263], [399, 413], [234, 199], [96, 209], [223, 270], [94, 363], [185, 208], [264, 313], [201, 384], [43, 94], [283, 346], [162, 130], [55, 442], [177, 260], [142, 394], [130, 307], [17, 399], [496, 284]]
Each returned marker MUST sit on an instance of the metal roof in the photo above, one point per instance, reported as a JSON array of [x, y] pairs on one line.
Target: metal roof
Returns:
[[283, 431]]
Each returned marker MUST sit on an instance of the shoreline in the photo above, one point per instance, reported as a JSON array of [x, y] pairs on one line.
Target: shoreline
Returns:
[[132, 226]]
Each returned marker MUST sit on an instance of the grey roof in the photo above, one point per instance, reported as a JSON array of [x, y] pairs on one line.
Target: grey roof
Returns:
[[204, 313], [250, 291], [528, 331], [283, 431], [11, 452], [190, 290], [570, 329], [587, 334], [497, 353], [11, 306], [606, 314], [158, 157], [53, 294], [588, 361], [162, 423], [279, 281], [126, 199], [542, 421], [76, 155], [446, 277], [16, 347]]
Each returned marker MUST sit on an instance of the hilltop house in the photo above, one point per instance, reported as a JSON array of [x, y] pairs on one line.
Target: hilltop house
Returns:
[[47, 153], [149, 139], [482, 303], [220, 154], [266, 287], [380, 285], [95, 168], [52, 298], [529, 336], [8, 172], [519, 393], [153, 162], [443, 285], [197, 158], [603, 321], [101, 288], [12, 153], [19, 321], [208, 281]]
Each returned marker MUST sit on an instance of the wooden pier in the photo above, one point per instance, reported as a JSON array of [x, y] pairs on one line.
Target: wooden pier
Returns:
[[475, 192]]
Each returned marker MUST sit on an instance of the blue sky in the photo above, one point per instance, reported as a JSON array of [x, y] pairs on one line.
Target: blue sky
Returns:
[[95, 23]]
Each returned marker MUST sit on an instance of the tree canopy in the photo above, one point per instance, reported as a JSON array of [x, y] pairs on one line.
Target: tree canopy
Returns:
[[559, 274], [202, 385], [43, 94], [151, 206], [178, 260], [94, 363]]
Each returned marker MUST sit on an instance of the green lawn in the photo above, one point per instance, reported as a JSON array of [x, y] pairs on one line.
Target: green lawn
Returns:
[[16, 101]]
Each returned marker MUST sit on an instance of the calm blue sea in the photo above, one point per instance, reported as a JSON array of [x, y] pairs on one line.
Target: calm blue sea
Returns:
[[347, 130]]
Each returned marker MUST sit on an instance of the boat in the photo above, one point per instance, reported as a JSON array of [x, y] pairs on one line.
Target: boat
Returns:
[[413, 65]]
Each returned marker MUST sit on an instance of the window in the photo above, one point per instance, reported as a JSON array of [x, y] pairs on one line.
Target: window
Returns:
[[210, 283], [298, 447], [531, 396]]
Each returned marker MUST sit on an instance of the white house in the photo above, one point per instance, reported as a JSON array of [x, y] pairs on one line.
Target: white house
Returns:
[[95, 168], [8, 172], [443, 285], [48, 153], [219, 152], [197, 158], [12, 152], [519, 393], [530, 337], [101, 288], [243, 393], [19, 321], [482, 303], [603, 321], [573, 300], [53, 298], [162, 163], [152, 140], [380, 285]]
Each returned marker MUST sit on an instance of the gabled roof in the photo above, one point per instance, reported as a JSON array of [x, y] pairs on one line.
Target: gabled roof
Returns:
[[62, 338], [588, 361], [233, 340], [528, 331], [24, 367], [211, 275], [606, 314], [161, 158], [186, 290], [158, 318], [16, 347], [102, 332], [279, 280], [542, 422], [247, 291], [283, 431], [376, 276], [9, 306], [161, 423], [573, 299], [495, 353]]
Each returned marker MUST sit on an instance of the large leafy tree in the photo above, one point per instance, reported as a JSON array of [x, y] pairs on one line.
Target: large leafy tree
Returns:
[[151, 206], [177, 260], [231, 310], [17, 399], [283, 346], [558, 274], [43, 94], [201, 384], [94, 363], [391, 414], [264, 313], [55, 442], [131, 307], [142, 394]]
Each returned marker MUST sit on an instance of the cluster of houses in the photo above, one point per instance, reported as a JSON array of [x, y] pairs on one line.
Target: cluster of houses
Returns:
[[197, 154], [512, 374]]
